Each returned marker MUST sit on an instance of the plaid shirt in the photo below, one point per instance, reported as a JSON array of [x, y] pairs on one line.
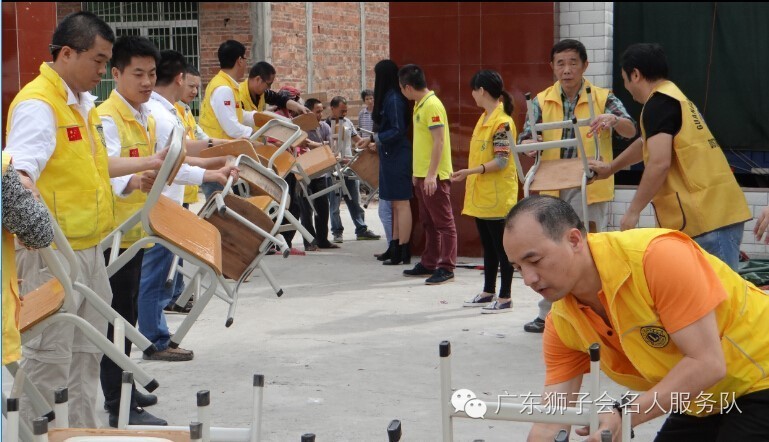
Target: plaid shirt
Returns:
[[613, 106]]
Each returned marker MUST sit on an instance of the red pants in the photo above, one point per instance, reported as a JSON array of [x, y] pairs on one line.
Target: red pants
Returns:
[[438, 223]]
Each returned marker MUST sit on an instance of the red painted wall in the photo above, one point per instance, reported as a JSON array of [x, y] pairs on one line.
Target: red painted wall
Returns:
[[27, 31], [452, 41]]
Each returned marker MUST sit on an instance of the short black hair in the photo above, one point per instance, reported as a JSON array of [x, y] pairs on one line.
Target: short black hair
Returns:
[[172, 63], [412, 75], [192, 70], [366, 93], [262, 70], [311, 102], [569, 45], [648, 58], [229, 52], [78, 31], [129, 46], [555, 215], [336, 101]]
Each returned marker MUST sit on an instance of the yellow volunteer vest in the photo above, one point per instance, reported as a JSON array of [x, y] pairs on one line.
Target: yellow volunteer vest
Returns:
[[740, 319], [423, 139], [247, 101], [190, 192], [700, 193], [492, 194], [75, 182], [208, 121], [135, 141], [11, 303], [552, 110]]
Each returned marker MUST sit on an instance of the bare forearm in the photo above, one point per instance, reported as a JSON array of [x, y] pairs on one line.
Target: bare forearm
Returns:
[[625, 128], [121, 166], [207, 163], [651, 182]]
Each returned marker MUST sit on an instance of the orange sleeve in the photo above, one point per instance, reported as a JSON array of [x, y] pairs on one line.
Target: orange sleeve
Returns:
[[561, 362], [682, 284]]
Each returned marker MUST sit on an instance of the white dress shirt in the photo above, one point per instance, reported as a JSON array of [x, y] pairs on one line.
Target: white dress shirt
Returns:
[[166, 119], [115, 147], [32, 138], [226, 115]]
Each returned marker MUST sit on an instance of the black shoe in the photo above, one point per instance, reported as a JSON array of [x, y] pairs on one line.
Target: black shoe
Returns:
[[395, 256], [145, 400], [138, 416], [440, 276], [535, 326], [388, 253], [405, 253], [173, 308], [418, 270]]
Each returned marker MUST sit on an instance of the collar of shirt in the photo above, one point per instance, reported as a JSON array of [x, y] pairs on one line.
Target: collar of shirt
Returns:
[[230, 77], [423, 100], [566, 100], [162, 100], [141, 115]]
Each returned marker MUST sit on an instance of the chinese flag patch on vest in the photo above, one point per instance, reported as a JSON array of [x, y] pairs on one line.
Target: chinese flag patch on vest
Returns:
[[226, 103], [133, 153], [436, 119], [73, 134]]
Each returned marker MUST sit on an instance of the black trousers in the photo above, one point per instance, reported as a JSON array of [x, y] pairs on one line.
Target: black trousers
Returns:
[[125, 292], [747, 421], [320, 228], [494, 257], [294, 192]]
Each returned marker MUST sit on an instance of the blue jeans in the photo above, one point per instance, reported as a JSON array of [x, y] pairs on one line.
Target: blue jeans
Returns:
[[153, 295], [723, 243], [386, 216], [178, 284], [353, 205], [210, 188]]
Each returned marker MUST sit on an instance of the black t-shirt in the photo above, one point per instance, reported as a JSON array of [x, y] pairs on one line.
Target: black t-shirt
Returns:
[[661, 115]]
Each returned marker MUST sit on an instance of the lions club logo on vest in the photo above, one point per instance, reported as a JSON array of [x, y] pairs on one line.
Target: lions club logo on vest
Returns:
[[655, 337]]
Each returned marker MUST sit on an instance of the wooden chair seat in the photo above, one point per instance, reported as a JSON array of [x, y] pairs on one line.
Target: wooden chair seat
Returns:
[[283, 163], [62, 434], [558, 175], [262, 202], [183, 228], [317, 161], [366, 166], [234, 148], [40, 304], [306, 122], [240, 245]]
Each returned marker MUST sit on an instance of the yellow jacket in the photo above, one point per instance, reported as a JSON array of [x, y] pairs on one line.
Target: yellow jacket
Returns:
[[75, 182], [700, 193], [190, 191], [619, 259], [135, 141], [551, 103], [11, 303], [247, 101], [208, 121], [492, 194]]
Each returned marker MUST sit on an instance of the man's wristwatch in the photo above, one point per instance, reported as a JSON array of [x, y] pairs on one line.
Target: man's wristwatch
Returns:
[[210, 142]]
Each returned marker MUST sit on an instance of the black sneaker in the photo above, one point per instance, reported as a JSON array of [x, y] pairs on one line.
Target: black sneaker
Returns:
[[367, 235], [440, 276], [138, 416], [535, 326], [418, 270], [173, 308]]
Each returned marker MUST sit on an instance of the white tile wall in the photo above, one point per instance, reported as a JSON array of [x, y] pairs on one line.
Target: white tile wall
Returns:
[[757, 200], [592, 23]]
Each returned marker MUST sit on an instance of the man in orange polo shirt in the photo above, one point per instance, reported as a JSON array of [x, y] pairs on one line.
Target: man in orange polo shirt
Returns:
[[673, 322]]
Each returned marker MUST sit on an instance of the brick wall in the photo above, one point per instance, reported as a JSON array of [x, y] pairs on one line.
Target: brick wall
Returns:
[[63, 9], [592, 23], [289, 43], [220, 22], [757, 200]]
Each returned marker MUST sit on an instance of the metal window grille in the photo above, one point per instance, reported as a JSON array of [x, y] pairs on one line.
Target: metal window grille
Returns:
[[170, 25]]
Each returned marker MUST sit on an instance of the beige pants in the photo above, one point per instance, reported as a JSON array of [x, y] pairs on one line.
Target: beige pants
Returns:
[[62, 356]]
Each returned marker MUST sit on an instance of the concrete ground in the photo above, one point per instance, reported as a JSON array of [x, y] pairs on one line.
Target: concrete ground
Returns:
[[351, 345]]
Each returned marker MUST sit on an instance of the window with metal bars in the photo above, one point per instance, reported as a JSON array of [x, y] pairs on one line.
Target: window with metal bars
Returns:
[[170, 25]]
